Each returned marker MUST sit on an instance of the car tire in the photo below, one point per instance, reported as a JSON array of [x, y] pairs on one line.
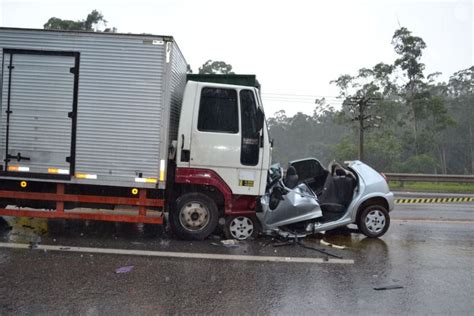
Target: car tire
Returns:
[[374, 221], [193, 216], [241, 227]]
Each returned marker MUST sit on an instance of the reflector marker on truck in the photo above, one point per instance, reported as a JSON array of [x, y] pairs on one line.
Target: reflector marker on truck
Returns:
[[58, 171], [146, 180], [86, 176], [162, 170], [18, 168]]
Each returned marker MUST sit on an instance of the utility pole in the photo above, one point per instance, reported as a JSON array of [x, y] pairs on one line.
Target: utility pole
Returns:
[[361, 105]]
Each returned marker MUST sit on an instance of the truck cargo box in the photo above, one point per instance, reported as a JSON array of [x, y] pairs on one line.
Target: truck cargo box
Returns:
[[95, 108]]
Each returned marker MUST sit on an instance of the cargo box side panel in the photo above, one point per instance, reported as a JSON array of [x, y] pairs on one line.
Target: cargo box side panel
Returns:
[[174, 90], [120, 110], [120, 102], [178, 82]]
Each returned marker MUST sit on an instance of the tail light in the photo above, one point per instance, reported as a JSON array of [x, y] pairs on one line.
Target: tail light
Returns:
[[384, 176]]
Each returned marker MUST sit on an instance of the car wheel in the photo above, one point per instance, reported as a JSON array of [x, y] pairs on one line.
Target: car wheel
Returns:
[[194, 216], [374, 221], [241, 227]]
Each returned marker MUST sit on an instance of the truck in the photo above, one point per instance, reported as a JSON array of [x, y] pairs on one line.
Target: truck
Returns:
[[106, 126]]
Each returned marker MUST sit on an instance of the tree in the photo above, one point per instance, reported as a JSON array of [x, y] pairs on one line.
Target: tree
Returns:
[[90, 24], [362, 92], [189, 70], [460, 137], [215, 67], [410, 49]]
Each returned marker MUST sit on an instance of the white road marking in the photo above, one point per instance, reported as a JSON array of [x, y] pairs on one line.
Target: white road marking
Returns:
[[433, 221], [171, 254]]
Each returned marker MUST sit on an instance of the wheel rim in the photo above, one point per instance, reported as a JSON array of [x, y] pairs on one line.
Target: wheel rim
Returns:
[[194, 216], [241, 227], [375, 221]]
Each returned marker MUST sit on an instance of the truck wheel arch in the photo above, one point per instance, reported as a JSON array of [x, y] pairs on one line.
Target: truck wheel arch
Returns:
[[210, 183], [204, 181], [211, 191]]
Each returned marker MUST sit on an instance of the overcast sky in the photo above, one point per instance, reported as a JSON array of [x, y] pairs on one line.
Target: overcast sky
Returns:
[[294, 47]]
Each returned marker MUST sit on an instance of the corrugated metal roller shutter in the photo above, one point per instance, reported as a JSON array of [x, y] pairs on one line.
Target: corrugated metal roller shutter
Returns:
[[41, 96]]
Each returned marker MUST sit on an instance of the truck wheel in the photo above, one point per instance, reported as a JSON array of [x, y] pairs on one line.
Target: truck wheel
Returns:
[[194, 216], [241, 227], [374, 221]]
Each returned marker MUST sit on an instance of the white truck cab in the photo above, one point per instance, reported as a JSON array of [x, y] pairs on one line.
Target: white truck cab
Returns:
[[223, 156]]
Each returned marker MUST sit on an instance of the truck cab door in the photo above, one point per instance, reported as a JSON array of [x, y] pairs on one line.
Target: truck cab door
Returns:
[[226, 136]]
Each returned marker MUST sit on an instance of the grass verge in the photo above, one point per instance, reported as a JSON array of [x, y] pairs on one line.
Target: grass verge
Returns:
[[443, 187]]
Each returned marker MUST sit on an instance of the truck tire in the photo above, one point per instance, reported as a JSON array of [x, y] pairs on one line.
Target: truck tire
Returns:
[[374, 221], [194, 216]]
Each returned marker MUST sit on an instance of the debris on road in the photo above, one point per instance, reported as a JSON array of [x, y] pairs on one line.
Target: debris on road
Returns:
[[388, 287], [230, 243], [296, 241], [328, 244], [125, 269]]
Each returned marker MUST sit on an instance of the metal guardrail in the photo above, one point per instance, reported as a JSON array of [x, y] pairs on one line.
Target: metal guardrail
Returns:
[[407, 177]]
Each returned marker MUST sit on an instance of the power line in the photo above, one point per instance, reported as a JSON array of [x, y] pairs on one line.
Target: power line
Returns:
[[302, 95], [290, 101], [299, 100]]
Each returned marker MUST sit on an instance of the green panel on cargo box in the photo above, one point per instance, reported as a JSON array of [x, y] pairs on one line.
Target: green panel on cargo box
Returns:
[[241, 80]]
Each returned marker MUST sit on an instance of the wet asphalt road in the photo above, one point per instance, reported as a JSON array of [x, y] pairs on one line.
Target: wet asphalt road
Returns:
[[428, 251]]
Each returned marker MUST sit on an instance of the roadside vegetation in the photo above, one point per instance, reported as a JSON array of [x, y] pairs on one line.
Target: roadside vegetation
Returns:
[[432, 187], [410, 122]]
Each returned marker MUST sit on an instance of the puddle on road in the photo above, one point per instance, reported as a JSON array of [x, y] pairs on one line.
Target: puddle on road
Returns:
[[366, 250], [36, 230], [26, 230]]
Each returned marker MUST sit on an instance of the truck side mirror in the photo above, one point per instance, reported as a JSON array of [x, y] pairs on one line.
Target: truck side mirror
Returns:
[[260, 119]]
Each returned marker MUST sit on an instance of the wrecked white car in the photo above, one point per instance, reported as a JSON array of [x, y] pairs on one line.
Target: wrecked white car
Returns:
[[311, 199]]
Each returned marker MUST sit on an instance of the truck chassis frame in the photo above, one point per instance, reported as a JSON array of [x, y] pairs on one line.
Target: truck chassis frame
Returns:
[[141, 201]]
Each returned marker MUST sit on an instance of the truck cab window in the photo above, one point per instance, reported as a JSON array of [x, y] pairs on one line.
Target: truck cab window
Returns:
[[218, 111], [250, 133]]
